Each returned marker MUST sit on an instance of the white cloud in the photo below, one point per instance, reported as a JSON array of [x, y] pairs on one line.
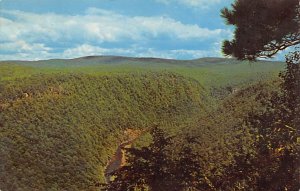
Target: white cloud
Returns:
[[87, 49], [213, 51], [192, 3], [175, 54], [29, 56], [97, 25], [25, 32], [161, 25], [22, 46]]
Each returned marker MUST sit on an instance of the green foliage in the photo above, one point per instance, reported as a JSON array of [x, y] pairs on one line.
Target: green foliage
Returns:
[[60, 128], [59, 131], [213, 73], [155, 168], [224, 149], [276, 163], [262, 27], [201, 154]]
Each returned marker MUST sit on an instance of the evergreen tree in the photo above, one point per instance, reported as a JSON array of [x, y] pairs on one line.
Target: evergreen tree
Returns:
[[262, 27], [153, 168]]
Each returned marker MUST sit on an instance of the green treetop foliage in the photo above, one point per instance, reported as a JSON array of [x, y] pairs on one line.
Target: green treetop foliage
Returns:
[[262, 27], [276, 164], [204, 155], [58, 131]]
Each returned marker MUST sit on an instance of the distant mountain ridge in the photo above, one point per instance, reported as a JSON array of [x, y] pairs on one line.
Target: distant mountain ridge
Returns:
[[95, 60]]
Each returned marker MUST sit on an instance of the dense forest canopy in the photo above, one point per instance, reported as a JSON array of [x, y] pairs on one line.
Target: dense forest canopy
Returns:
[[59, 131], [67, 125]]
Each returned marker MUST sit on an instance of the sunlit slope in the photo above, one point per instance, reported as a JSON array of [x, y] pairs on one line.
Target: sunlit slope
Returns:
[[58, 131], [209, 71]]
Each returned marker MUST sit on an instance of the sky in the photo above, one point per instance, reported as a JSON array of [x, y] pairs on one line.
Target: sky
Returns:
[[177, 29]]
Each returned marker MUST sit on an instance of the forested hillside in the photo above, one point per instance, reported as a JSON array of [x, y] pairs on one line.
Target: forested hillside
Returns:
[[58, 131], [61, 126], [208, 152]]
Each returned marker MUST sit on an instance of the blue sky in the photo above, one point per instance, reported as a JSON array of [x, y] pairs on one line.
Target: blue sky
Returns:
[[45, 29]]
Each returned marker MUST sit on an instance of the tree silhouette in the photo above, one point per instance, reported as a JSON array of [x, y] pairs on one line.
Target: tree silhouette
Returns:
[[153, 168], [146, 167], [262, 27]]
